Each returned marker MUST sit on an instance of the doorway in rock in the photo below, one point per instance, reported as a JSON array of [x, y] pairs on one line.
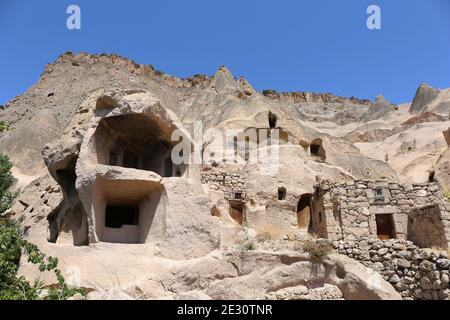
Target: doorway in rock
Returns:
[[121, 223], [118, 216], [237, 211], [304, 219], [317, 150], [385, 226]]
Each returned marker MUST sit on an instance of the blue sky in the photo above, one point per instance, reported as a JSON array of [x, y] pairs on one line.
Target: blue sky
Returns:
[[287, 45]]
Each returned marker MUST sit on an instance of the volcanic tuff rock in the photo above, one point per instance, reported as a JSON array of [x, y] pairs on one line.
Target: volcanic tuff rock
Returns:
[[424, 95], [93, 138]]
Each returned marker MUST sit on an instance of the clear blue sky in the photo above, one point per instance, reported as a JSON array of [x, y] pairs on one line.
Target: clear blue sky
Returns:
[[287, 45]]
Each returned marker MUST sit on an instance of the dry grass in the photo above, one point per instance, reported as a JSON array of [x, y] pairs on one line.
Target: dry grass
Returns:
[[317, 250]]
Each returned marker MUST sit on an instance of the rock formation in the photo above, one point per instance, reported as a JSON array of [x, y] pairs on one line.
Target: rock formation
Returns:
[[424, 95], [380, 108], [96, 143]]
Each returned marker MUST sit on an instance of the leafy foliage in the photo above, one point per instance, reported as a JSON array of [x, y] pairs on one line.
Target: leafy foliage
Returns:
[[12, 246], [4, 126], [6, 181]]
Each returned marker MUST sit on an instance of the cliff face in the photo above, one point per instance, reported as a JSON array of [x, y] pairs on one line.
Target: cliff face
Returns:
[[306, 97], [73, 78], [94, 137]]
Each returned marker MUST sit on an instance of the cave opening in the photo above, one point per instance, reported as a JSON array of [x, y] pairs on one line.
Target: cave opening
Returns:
[[317, 150], [282, 193], [237, 211], [304, 219], [135, 141], [272, 117], [117, 216]]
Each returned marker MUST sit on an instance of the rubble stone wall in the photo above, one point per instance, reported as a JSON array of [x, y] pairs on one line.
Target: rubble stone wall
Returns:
[[227, 182], [417, 274]]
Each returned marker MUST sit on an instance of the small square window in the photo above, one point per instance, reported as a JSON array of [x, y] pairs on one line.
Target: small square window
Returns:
[[238, 196], [378, 194]]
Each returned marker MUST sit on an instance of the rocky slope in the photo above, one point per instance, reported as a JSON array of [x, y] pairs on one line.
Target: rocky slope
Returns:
[[327, 138]]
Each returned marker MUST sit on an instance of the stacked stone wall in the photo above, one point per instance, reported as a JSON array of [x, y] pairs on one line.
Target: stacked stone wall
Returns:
[[417, 274]]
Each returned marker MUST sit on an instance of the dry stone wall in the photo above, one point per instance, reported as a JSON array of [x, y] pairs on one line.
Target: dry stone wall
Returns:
[[417, 274], [227, 182]]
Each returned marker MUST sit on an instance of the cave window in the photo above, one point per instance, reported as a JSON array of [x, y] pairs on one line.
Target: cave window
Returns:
[[112, 159], [130, 159], [317, 150], [281, 193], [385, 226], [117, 216], [238, 195], [431, 177], [272, 117]]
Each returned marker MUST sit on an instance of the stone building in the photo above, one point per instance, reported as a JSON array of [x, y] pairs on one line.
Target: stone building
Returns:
[[383, 210]]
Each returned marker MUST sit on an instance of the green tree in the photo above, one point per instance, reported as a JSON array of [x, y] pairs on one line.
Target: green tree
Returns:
[[13, 245], [6, 181]]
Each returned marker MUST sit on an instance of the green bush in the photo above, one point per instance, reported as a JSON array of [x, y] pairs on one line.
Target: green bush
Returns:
[[318, 250], [12, 246], [267, 92], [4, 126], [6, 181]]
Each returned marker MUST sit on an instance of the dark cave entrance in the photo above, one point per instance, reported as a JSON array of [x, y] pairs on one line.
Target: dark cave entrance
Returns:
[[237, 210], [304, 220], [119, 215], [282, 193], [317, 150], [272, 117]]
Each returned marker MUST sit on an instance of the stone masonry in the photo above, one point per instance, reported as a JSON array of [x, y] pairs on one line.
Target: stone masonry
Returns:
[[227, 182], [417, 274], [418, 212]]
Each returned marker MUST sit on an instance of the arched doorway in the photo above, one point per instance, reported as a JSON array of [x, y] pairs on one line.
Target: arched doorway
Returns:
[[304, 217], [317, 150]]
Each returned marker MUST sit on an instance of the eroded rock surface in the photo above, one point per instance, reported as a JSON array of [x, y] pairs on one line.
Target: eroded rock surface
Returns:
[[92, 145]]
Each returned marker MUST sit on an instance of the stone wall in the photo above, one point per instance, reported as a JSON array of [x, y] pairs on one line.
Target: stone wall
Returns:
[[351, 210], [417, 274], [227, 182]]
